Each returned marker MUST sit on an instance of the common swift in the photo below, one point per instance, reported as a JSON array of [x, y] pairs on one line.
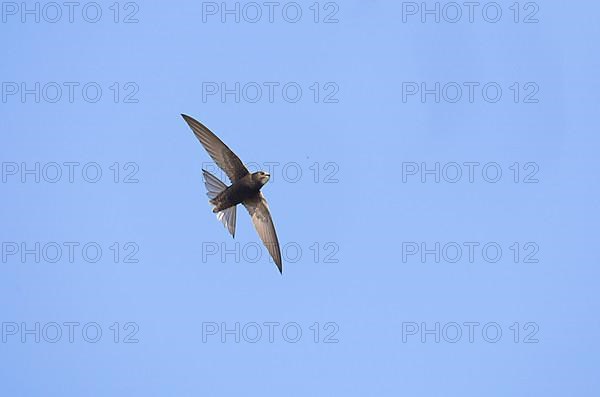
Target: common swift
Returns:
[[244, 189]]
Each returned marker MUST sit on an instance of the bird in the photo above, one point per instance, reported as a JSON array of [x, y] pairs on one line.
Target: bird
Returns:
[[245, 189]]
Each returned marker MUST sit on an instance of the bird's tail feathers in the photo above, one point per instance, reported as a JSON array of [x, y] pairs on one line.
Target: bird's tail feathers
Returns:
[[227, 217], [214, 186]]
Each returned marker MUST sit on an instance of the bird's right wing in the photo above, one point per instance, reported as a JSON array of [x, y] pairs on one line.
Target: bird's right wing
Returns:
[[263, 223], [220, 153]]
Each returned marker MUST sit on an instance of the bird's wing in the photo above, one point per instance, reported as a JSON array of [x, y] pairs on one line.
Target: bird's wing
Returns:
[[259, 211], [220, 153]]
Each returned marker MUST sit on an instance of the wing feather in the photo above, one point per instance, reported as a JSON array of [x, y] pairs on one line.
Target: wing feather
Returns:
[[220, 153], [263, 223]]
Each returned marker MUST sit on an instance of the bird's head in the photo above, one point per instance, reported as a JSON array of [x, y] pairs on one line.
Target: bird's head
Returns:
[[261, 177]]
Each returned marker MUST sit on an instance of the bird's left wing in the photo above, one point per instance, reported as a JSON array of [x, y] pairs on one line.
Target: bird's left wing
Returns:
[[261, 217], [220, 153]]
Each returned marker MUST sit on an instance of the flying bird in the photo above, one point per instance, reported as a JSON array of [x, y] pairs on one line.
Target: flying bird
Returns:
[[244, 189]]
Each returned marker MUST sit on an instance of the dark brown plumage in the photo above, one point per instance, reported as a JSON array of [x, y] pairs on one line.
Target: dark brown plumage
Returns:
[[244, 189]]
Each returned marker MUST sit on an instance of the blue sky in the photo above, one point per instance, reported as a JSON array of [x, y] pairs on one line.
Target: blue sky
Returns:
[[434, 191]]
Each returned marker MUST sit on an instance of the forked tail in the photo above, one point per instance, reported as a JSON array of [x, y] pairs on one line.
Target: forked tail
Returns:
[[214, 186]]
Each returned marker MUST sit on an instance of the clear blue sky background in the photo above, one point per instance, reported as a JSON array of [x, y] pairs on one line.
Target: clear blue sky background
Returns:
[[364, 287]]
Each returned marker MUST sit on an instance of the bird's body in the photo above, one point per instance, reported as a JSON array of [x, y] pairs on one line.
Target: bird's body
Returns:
[[239, 191], [244, 189]]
